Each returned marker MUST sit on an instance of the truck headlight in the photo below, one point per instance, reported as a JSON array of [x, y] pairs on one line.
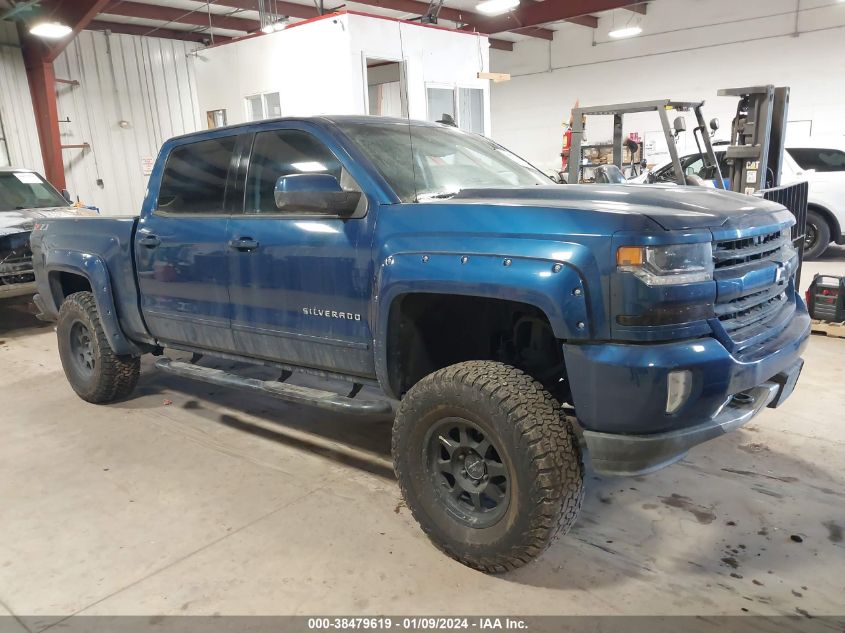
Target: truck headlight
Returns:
[[668, 264]]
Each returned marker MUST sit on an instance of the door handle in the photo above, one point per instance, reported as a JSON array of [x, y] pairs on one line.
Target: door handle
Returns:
[[243, 244], [150, 241]]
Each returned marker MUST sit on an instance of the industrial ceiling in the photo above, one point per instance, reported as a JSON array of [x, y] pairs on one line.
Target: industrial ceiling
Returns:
[[222, 20]]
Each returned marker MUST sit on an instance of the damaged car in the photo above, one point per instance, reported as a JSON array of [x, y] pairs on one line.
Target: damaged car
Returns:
[[25, 198]]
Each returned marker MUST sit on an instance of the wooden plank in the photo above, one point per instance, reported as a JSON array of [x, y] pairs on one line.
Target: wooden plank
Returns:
[[828, 328]]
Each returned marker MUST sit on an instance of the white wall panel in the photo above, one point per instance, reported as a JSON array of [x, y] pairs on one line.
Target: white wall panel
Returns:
[[318, 67], [16, 103], [689, 49], [145, 82]]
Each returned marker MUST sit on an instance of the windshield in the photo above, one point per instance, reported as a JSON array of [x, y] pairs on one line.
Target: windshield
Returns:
[[27, 190], [444, 160]]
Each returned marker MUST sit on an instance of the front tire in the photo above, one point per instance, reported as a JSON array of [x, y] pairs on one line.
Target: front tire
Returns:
[[817, 235], [93, 370], [487, 464]]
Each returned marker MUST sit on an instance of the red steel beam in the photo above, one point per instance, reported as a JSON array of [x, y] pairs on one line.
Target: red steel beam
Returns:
[[501, 45], [420, 8], [152, 31], [38, 60], [304, 11], [180, 16], [42, 88], [536, 13], [533, 31], [641, 8], [414, 7], [590, 21]]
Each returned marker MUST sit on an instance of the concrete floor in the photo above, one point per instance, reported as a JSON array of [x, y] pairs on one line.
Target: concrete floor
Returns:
[[188, 499]]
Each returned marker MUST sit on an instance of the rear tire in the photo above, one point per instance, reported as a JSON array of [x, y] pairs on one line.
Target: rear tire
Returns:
[[93, 370], [818, 235], [488, 464]]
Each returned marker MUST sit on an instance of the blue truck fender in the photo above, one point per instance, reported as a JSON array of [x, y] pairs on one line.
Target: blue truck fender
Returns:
[[560, 289], [94, 269]]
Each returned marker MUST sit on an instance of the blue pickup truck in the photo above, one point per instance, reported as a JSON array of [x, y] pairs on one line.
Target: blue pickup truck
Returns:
[[514, 326]]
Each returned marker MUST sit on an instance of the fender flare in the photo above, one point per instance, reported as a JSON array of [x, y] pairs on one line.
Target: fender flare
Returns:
[[559, 289], [93, 268]]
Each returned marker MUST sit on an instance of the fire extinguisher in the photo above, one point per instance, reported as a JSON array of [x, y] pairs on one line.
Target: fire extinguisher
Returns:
[[567, 139], [567, 144]]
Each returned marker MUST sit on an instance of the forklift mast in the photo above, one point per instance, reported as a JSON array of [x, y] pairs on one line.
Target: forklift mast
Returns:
[[758, 136], [755, 155]]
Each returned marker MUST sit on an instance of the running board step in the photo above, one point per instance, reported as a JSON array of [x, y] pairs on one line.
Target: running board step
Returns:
[[291, 393]]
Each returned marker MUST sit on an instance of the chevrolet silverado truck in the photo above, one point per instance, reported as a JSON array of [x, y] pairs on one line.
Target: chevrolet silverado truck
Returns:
[[517, 327], [25, 197]]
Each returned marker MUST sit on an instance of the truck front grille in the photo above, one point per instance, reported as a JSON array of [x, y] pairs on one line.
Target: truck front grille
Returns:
[[733, 253], [15, 259], [753, 315]]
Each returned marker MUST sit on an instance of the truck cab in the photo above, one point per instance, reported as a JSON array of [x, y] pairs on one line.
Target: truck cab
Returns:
[[517, 327]]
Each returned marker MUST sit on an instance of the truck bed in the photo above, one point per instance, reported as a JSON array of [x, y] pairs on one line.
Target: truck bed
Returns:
[[63, 245]]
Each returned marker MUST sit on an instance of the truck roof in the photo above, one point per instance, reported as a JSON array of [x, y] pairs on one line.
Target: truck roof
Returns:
[[337, 118]]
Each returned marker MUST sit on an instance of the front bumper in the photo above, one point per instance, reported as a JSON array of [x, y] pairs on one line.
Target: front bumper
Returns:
[[620, 394], [639, 454], [7, 291]]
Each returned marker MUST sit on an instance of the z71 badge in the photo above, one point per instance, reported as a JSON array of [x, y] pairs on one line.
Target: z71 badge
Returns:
[[331, 314]]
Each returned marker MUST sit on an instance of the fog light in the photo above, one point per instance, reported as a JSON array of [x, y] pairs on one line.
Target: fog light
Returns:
[[678, 387]]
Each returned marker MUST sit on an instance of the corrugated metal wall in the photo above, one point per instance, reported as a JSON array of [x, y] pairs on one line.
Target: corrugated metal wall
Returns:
[[16, 104], [145, 82]]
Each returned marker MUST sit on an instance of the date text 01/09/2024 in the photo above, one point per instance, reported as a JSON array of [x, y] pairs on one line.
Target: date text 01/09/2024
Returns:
[[417, 623]]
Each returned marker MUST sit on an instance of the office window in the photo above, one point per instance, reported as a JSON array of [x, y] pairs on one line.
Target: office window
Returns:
[[263, 106], [440, 101], [471, 110], [216, 118], [464, 105], [194, 179]]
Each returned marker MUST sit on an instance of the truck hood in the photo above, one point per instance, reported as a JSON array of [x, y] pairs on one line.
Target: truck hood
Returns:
[[22, 220], [672, 207]]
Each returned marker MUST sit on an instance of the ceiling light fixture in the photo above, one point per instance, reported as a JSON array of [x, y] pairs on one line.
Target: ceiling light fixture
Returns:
[[495, 7], [628, 31], [51, 30]]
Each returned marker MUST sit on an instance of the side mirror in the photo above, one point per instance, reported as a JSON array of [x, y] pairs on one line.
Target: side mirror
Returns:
[[714, 124], [680, 125], [66, 196], [314, 193]]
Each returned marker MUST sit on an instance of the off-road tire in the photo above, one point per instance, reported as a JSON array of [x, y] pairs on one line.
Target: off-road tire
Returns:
[[538, 448], [822, 235], [112, 377]]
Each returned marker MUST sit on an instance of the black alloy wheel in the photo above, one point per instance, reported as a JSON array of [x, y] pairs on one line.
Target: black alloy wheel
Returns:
[[467, 472]]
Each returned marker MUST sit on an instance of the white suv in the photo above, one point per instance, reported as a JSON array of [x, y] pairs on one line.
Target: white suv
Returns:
[[818, 160], [821, 162]]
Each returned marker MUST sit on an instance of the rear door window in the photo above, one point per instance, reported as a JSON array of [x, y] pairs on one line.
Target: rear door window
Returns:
[[819, 159], [195, 177]]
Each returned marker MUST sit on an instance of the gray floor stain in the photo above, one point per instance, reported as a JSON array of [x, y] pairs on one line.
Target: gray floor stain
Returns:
[[834, 531], [703, 515]]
